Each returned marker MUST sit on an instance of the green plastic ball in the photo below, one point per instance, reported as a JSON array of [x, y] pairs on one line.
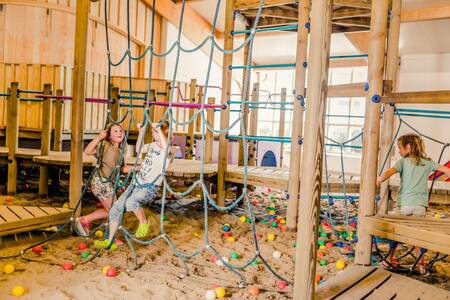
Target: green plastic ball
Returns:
[[234, 255], [323, 262], [85, 254], [324, 234], [321, 242]]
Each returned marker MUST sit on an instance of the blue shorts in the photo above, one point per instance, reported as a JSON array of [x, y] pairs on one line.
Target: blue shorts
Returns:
[[133, 198]]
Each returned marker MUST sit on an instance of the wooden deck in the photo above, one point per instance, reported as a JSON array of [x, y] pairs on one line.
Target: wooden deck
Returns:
[[429, 233], [359, 282], [22, 152], [15, 219]]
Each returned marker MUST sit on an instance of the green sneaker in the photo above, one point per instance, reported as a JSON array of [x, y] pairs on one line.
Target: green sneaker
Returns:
[[142, 230], [104, 244]]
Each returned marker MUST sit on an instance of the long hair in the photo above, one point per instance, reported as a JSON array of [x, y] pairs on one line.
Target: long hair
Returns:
[[417, 147], [108, 131]]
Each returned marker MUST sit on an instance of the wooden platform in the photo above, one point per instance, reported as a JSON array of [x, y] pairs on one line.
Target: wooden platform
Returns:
[[15, 219], [63, 159], [359, 282], [22, 152], [429, 233]]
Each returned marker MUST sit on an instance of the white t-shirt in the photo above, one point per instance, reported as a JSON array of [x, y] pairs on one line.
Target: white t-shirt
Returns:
[[152, 165]]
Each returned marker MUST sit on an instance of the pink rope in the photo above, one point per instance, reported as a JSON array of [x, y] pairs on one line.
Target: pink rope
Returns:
[[91, 100], [190, 105]]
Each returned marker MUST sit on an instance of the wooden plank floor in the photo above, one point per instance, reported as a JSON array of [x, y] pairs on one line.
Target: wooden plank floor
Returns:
[[432, 234], [15, 219], [359, 282]]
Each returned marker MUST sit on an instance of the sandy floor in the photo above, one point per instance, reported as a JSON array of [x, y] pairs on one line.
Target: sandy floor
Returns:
[[159, 275]]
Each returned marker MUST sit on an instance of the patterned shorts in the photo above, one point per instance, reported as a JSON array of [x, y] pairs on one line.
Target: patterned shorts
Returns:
[[102, 188]]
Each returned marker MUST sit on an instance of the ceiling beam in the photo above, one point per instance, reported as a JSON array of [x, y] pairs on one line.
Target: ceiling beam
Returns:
[[357, 22], [353, 3], [249, 4], [345, 13], [425, 14], [360, 40]]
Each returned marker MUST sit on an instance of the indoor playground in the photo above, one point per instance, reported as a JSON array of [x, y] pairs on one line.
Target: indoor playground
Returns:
[[225, 149]]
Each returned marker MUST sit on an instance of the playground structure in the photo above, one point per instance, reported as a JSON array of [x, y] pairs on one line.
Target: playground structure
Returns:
[[430, 234]]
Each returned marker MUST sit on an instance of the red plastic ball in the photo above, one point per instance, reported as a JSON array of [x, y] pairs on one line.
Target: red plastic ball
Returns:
[[254, 291], [67, 266], [347, 248], [99, 205], [214, 259], [226, 234], [283, 228], [269, 190], [255, 202], [329, 245], [37, 249], [320, 254], [111, 272], [82, 246], [281, 285]]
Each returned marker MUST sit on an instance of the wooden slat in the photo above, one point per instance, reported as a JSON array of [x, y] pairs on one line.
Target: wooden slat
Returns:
[[8, 215], [50, 210], [389, 289], [248, 4], [36, 211], [21, 212], [366, 286], [418, 97]]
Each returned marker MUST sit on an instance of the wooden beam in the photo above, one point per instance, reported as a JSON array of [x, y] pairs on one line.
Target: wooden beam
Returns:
[[360, 40], [297, 116], [355, 22], [418, 97], [387, 130], [372, 127], [347, 63], [281, 124], [46, 135], [78, 91], [353, 3], [253, 127], [226, 94], [249, 4], [346, 13], [209, 139], [312, 161], [425, 14], [12, 136], [347, 90], [190, 139], [58, 127]]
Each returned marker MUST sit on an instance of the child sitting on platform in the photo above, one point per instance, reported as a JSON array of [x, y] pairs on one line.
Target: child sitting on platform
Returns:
[[144, 187], [102, 184], [414, 168]]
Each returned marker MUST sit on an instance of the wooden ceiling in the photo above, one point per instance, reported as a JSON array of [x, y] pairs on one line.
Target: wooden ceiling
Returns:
[[348, 15]]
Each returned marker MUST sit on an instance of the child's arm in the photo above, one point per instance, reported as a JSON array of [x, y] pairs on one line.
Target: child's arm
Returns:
[[162, 137], [140, 139], [444, 170], [91, 148], [389, 172]]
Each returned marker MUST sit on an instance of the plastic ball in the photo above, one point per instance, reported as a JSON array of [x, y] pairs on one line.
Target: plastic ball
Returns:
[[323, 234], [329, 245], [220, 263], [85, 254], [98, 205], [234, 255], [340, 264], [274, 224], [18, 291], [263, 221], [253, 291], [105, 269], [276, 254], [248, 220], [323, 262], [322, 247], [82, 246], [195, 234], [111, 272], [214, 259], [9, 198], [226, 235], [220, 292], [437, 216], [243, 219], [67, 266], [99, 234], [281, 285], [165, 218], [210, 295], [269, 190], [254, 263], [66, 205], [344, 234], [321, 242], [282, 221], [271, 237], [272, 212], [317, 278], [231, 239], [320, 254], [37, 249], [283, 228], [9, 269], [226, 227], [255, 202]]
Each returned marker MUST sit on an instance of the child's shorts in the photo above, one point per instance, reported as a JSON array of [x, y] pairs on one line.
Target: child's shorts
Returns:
[[416, 211], [134, 197], [102, 188]]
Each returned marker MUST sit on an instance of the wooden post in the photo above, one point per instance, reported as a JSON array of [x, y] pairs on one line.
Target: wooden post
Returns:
[[388, 114], [209, 139], [115, 103], [12, 136], [45, 140], [58, 127], [78, 90], [149, 134], [226, 94], [297, 115], [371, 132], [253, 126], [311, 171], [191, 136], [245, 110], [282, 121], [198, 122]]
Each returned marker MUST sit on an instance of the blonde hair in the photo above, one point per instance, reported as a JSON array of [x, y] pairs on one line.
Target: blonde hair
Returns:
[[416, 145]]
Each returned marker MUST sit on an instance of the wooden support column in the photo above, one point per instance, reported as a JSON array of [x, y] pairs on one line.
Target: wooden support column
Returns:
[[282, 121], [149, 134], [253, 126], [226, 95], [244, 97], [297, 115], [198, 122], [191, 136], [78, 91], [209, 139], [387, 130], [142, 62], [45, 140], [378, 25], [58, 127], [115, 103], [12, 136], [311, 171]]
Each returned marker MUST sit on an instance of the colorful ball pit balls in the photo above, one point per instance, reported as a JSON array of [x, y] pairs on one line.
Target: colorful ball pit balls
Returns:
[[9, 269], [37, 249], [98, 205], [226, 235], [323, 234], [283, 228], [329, 245], [281, 285], [220, 292], [165, 218], [99, 234], [18, 291], [67, 266], [214, 259], [276, 254], [317, 277], [105, 269], [234, 255], [111, 272], [271, 237], [340, 264], [255, 202], [210, 295], [323, 262], [82, 246], [264, 221], [320, 254], [253, 291], [220, 263], [248, 220], [282, 221], [226, 227], [85, 254], [272, 212], [254, 263], [274, 224], [231, 239], [243, 219], [321, 242]]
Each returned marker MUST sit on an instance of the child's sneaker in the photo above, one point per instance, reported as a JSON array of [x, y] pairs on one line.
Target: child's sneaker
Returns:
[[104, 244], [142, 230], [81, 227]]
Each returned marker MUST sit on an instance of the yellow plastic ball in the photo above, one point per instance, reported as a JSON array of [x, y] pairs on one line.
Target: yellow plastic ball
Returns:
[[340, 264], [437, 216], [271, 212], [283, 221], [99, 234], [195, 234], [231, 239], [8, 269], [271, 237], [66, 205], [322, 247], [243, 219], [220, 292], [105, 269], [18, 291]]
